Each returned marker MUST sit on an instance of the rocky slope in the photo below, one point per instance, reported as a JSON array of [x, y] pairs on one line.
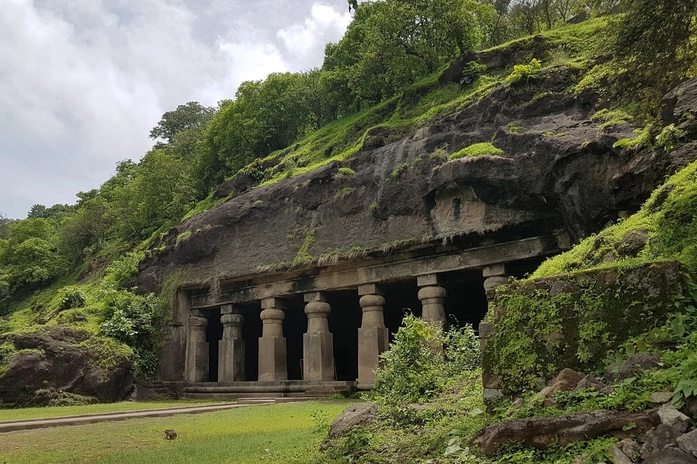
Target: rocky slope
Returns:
[[558, 170]]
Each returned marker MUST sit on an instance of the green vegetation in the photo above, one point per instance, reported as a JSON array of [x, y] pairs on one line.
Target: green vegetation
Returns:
[[276, 433], [525, 72], [478, 149], [347, 171]]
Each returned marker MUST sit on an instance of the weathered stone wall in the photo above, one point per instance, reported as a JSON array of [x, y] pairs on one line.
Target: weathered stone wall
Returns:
[[536, 328], [559, 170]]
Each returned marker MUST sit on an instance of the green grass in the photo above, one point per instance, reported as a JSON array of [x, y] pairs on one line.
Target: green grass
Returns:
[[62, 411], [277, 433]]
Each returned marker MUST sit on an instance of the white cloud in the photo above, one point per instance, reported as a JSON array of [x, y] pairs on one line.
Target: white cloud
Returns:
[[84, 81], [305, 41]]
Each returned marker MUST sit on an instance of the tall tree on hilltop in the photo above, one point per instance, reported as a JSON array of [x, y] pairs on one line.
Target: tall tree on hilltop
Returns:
[[655, 42], [187, 116]]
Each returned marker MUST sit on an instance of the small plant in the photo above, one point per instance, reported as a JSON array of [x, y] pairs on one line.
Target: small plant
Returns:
[[346, 171], [399, 170], [478, 149], [471, 73], [439, 153], [184, 236], [525, 71], [322, 421], [669, 137], [344, 191]]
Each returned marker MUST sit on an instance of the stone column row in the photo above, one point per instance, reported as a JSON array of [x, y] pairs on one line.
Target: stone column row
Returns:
[[318, 342]]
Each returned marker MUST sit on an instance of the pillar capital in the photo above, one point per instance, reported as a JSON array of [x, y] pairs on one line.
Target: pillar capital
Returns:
[[198, 322], [230, 309], [276, 303], [428, 280], [370, 289], [315, 296], [232, 319], [494, 270], [372, 302]]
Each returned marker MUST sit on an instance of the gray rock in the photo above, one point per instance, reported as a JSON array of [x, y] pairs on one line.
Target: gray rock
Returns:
[[661, 397], [60, 364], [671, 416], [688, 443], [353, 416], [619, 457], [590, 382], [670, 456], [630, 448], [661, 437], [622, 370]]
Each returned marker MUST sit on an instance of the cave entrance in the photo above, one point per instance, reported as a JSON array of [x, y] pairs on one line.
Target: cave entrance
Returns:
[[214, 333], [251, 331], [294, 326], [344, 321], [466, 301], [401, 298]]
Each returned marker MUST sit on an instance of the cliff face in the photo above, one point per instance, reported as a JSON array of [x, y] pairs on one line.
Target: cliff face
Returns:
[[558, 170]]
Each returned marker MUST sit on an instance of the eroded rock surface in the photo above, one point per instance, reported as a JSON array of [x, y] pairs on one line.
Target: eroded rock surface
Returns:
[[559, 171], [57, 361]]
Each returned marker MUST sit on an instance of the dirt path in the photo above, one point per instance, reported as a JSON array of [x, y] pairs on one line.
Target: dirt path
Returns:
[[10, 426]]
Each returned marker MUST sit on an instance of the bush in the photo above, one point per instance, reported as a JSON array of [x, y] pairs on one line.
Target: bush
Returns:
[[525, 71], [70, 297], [423, 360]]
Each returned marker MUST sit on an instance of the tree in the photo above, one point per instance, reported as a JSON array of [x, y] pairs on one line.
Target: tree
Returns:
[[187, 116], [4, 226], [654, 42], [392, 43]]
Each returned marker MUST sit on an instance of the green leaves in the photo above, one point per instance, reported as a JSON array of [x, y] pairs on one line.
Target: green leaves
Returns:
[[422, 360]]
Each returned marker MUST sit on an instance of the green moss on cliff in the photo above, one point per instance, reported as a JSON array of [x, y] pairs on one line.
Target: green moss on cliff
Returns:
[[664, 228]]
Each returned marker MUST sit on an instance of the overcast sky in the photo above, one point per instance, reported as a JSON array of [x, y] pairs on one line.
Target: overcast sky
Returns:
[[82, 82]]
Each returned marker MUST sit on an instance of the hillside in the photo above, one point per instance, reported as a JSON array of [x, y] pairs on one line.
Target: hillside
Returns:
[[342, 175]]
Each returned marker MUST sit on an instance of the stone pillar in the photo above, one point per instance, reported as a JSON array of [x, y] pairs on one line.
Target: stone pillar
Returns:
[[197, 349], [494, 276], [231, 347], [432, 296], [373, 336], [318, 342], [273, 365]]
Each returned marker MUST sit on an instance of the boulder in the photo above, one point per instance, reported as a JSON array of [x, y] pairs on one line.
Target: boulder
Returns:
[[670, 456], [60, 360], [622, 370], [544, 432], [355, 415], [688, 443]]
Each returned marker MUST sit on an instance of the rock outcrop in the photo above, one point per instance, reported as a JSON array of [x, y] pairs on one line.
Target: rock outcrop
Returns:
[[559, 170], [61, 363]]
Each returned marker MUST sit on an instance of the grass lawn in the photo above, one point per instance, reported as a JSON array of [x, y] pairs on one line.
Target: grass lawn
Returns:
[[61, 411], [284, 433]]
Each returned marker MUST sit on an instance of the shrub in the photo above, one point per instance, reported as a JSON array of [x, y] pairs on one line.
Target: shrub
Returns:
[[525, 71], [423, 360], [70, 297]]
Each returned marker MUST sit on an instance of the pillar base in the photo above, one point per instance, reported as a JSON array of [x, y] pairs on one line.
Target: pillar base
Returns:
[[371, 342], [318, 349], [272, 359]]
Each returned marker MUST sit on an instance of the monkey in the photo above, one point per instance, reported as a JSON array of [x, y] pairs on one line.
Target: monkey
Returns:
[[170, 434]]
